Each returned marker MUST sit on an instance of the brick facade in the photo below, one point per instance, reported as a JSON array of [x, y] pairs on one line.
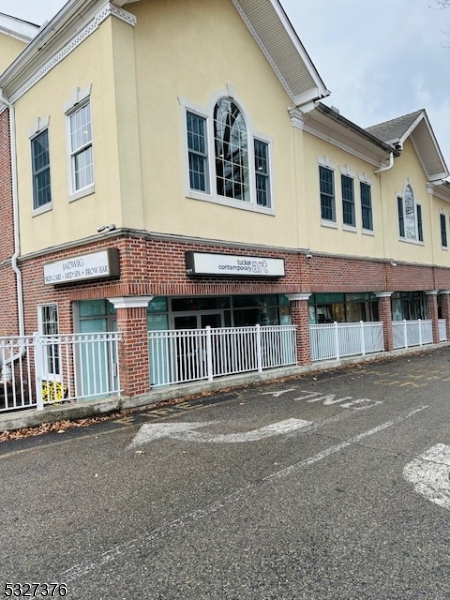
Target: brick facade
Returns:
[[156, 267]]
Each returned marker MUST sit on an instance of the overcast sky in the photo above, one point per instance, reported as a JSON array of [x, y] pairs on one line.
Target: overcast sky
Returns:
[[379, 58]]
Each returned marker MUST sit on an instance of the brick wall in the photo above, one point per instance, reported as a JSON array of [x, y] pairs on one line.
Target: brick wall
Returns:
[[157, 267]]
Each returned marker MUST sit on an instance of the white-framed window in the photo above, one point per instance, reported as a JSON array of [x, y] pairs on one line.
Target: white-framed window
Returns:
[[49, 326], [40, 170], [41, 190], [348, 201], [366, 206], [327, 194], [227, 162], [410, 224], [82, 166], [443, 224], [80, 144]]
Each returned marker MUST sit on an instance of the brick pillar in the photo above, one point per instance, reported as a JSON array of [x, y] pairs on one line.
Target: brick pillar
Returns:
[[432, 313], [445, 307], [300, 318], [131, 313], [385, 316]]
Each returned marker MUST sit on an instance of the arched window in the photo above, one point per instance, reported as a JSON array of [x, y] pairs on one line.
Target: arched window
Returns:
[[409, 216], [231, 149]]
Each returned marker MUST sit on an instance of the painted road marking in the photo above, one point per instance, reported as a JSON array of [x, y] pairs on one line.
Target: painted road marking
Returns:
[[339, 447], [330, 399], [429, 473], [186, 432], [252, 489], [278, 394]]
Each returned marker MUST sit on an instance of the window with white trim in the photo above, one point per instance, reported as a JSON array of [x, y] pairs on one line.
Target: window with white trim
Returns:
[[409, 216], [443, 222], [227, 163], [48, 326], [327, 195], [197, 152], [348, 201], [82, 167], [40, 166], [366, 206]]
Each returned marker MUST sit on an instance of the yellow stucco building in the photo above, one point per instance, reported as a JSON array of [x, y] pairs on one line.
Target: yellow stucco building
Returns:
[[176, 167]]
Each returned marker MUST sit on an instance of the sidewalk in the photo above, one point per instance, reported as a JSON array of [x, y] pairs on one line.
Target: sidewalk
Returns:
[[24, 418]]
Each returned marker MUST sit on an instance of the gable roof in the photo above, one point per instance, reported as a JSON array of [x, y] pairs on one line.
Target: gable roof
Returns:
[[415, 126]]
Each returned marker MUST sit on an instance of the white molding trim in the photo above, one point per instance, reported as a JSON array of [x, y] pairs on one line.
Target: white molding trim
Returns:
[[107, 11], [334, 142], [431, 292], [19, 36], [39, 124], [131, 301], [364, 178], [347, 171], [383, 294], [264, 50], [325, 161], [300, 296]]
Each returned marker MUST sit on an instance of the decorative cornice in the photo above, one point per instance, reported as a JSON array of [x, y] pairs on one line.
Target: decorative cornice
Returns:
[[107, 11], [131, 301], [301, 296], [264, 50]]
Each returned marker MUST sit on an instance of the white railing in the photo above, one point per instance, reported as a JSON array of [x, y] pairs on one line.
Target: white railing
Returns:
[[337, 340], [181, 356], [442, 330], [412, 333], [40, 370]]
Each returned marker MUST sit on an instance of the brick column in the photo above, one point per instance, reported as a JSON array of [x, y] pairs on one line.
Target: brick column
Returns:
[[385, 316], [131, 313], [445, 307], [432, 312], [300, 318]]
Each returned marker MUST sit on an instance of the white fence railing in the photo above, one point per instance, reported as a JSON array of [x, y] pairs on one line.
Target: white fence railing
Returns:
[[180, 356], [337, 340], [412, 333], [442, 330], [39, 370]]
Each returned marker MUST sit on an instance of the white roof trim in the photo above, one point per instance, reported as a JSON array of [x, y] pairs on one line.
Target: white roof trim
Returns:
[[16, 28]]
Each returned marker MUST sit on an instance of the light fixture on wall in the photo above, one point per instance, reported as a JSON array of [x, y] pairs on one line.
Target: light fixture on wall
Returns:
[[309, 254], [393, 263], [111, 227]]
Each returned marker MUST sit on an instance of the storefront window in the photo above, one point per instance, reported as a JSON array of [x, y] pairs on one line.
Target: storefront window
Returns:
[[342, 308]]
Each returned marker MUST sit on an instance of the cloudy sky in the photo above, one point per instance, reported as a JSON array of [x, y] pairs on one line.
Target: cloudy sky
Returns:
[[379, 58]]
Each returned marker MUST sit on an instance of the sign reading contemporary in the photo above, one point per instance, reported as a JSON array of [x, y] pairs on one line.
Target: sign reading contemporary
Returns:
[[202, 263], [79, 268]]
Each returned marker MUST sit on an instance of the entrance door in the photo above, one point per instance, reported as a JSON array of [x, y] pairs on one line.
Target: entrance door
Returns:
[[96, 375], [191, 347]]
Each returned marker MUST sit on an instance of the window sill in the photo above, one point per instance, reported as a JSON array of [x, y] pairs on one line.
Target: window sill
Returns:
[[350, 228], [410, 241], [222, 201], [42, 209], [331, 224], [368, 232], [87, 191]]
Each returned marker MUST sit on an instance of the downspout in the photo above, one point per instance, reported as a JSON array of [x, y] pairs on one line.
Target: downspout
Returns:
[[387, 167], [15, 195], [6, 367]]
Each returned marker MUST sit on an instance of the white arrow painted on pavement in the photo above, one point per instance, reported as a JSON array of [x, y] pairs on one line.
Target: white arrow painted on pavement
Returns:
[[277, 394], [186, 432], [430, 475]]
